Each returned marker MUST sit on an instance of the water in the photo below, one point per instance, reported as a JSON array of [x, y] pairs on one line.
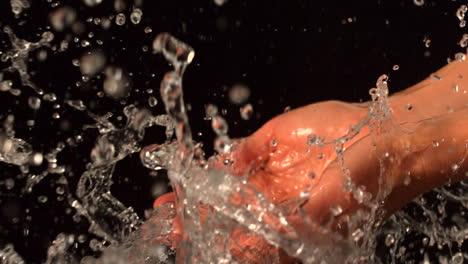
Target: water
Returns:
[[216, 206]]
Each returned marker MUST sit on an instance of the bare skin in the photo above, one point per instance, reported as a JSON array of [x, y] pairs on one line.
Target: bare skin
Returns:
[[426, 148]]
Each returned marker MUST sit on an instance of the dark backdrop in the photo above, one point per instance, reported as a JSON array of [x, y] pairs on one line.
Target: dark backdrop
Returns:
[[289, 53]]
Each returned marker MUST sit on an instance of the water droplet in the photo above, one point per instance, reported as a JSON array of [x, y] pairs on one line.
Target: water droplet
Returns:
[[117, 83], [155, 157], [357, 234], [17, 6], [407, 179], [6, 85], [427, 43], [455, 167], [312, 140], [120, 19], [50, 97], [62, 17], [55, 115], [9, 184], [311, 175], [246, 111], [92, 3], [396, 67], [148, 30], [222, 144], [219, 125], [92, 62], [457, 258], [419, 2], [60, 190], [77, 104], [435, 143], [136, 15], [152, 101], [37, 159], [42, 199], [239, 94], [274, 143], [210, 111], [336, 210], [34, 102], [464, 41], [220, 2], [460, 57]]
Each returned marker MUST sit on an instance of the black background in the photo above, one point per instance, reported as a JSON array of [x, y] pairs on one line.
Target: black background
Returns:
[[289, 53]]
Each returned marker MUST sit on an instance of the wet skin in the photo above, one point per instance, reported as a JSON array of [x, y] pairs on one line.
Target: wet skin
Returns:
[[282, 165]]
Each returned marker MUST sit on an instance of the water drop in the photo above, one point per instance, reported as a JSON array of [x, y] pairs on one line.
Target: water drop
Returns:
[[9, 183], [246, 111], [120, 19], [210, 111], [42, 199], [6, 85], [62, 18], [357, 234], [274, 142], [92, 62], [312, 140], [220, 2], [435, 143], [117, 83], [311, 175], [92, 3], [152, 101], [219, 125], [222, 144], [239, 94], [419, 2], [77, 104], [136, 15], [50, 97], [336, 210], [148, 30], [34, 102], [155, 157], [460, 56], [396, 67], [17, 6], [457, 258]]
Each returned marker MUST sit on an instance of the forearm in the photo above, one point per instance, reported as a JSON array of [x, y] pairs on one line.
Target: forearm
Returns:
[[439, 149], [443, 92]]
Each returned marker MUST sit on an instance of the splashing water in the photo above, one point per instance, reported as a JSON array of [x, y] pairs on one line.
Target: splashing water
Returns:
[[203, 189]]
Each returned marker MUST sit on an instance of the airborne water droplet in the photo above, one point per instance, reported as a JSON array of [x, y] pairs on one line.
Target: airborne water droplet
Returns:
[[120, 19], [246, 111], [152, 101], [336, 210], [389, 240], [136, 15], [239, 94], [92, 3], [34, 102]]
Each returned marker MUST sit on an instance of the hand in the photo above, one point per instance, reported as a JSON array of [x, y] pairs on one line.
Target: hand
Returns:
[[282, 165]]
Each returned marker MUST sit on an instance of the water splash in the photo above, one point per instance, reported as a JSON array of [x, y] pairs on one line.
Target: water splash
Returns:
[[19, 54]]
